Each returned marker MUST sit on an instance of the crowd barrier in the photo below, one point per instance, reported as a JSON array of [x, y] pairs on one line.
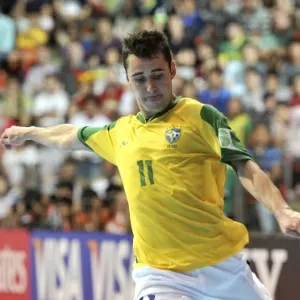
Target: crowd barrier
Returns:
[[44, 265]]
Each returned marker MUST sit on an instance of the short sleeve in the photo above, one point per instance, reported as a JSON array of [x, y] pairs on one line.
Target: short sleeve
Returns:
[[101, 140], [231, 148]]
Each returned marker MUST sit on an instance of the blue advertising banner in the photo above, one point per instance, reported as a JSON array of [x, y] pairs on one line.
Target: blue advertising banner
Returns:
[[81, 266]]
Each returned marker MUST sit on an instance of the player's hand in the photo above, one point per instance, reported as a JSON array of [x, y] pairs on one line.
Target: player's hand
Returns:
[[289, 221], [13, 136]]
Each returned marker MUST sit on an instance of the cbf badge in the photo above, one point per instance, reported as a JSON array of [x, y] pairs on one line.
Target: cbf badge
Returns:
[[225, 139], [172, 135]]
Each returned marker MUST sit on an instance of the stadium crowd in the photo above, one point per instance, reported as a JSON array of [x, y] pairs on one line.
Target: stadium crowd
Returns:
[[60, 61]]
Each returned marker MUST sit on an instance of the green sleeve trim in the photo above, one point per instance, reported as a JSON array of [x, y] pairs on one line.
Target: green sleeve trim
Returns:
[[231, 147], [85, 132]]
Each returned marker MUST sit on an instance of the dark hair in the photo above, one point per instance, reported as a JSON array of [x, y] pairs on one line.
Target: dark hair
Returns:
[[146, 44]]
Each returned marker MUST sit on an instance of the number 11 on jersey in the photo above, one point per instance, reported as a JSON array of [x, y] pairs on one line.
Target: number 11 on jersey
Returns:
[[142, 165]]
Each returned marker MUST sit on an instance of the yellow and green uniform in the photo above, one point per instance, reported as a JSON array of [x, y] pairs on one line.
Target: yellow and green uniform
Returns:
[[173, 168]]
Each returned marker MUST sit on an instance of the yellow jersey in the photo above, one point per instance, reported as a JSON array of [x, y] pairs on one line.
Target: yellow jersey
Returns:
[[173, 168]]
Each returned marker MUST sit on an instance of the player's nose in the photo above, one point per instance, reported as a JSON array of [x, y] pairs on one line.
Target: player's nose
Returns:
[[151, 86]]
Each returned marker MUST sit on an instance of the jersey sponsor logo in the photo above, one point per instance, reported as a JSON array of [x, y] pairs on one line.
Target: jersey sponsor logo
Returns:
[[172, 135], [225, 138]]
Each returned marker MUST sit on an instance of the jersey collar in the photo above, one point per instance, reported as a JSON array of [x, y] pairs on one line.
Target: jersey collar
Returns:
[[142, 119]]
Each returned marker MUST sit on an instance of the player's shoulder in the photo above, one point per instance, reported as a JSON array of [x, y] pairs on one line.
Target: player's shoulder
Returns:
[[90, 132], [199, 110], [125, 121], [185, 103]]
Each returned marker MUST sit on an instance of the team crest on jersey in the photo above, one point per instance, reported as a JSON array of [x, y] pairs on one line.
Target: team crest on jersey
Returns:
[[172, 135]]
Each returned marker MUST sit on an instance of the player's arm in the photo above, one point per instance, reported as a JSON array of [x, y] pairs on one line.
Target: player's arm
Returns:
[[258, 184], [62, 136], [231, 151]]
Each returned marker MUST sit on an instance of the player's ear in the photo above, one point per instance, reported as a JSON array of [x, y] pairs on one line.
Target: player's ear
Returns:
[[173, 69]]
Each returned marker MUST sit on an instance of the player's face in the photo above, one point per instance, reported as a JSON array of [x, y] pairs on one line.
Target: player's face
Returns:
[[151, 82]]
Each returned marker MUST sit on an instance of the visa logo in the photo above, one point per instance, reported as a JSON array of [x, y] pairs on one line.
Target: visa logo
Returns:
[[111, 263], [58, 269]]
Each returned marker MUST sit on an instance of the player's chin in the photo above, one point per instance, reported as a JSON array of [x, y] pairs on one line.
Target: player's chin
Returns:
[[155, 108], [157, 104]]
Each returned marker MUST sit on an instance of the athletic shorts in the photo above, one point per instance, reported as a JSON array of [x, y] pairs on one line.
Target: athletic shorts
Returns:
[[231, 279]]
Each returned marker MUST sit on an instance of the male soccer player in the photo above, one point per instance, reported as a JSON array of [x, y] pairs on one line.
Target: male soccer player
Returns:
[[172, 157]]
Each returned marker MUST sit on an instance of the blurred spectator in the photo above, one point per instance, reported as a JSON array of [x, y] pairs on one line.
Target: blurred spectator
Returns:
[[273, 85], [179, 38], [293, 149], [50, 106], [255, 18], [266, 117], [187, 10], [35, 77], [234, 70], [126, 20], [15, 103], [69, 10], [280, 125], [216, 17], [295, 99], [7, 33], [60, 209], [239, 120], [252, 97], [231, 48], [8, 197], [288, 69], [89, 115], [282, 29], [30, 31], [21, 166], [186, 58], [35, 216], [73, 67], [109, 182], [120, 221], [104, 39], [216, 94]]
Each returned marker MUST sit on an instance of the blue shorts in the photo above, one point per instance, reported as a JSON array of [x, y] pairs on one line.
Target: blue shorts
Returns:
[[232, 279]]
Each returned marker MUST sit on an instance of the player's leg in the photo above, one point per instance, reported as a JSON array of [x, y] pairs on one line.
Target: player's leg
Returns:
[[155, 284], [232, 279]]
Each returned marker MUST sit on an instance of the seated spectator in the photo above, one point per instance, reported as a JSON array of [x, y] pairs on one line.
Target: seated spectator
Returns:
[[255, 18], [119, 223], [231, 48], [252, 97], [295, 99], [89, 115], [8, 198], [290, 67], [216, 94], [234, 70], [37, 74], [8, 35], [178, 37], [50, 106], [239, 120], [266, 117]]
